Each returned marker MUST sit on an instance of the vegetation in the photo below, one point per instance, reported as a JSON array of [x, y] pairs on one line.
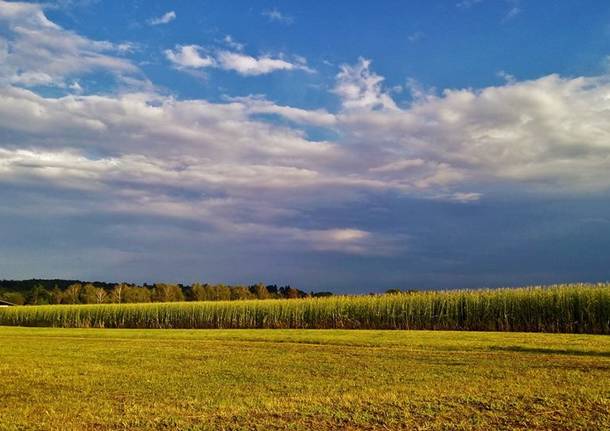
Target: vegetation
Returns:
[[565, 308], [42, 292], [301, 380]]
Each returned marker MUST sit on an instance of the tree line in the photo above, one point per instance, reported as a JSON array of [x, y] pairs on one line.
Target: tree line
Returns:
[[42, 292]]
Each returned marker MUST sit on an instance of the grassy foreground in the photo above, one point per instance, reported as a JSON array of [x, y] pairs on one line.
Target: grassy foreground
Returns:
[[578, 308], [105, 379]]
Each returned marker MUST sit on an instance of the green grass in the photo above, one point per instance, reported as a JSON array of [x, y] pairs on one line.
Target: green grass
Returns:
[[564, 308], [105, 379]]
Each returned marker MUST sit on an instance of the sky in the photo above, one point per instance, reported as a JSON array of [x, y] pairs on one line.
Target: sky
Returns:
[[344, 146]]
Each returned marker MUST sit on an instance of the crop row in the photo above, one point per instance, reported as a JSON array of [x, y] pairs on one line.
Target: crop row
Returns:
[[581, 308]]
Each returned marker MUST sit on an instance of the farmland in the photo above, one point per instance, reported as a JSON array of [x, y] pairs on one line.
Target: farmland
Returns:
[[103, 379], [562, 308], [202, 365]]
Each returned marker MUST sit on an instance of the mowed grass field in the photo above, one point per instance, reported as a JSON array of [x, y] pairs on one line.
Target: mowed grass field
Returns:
[[110, 379]]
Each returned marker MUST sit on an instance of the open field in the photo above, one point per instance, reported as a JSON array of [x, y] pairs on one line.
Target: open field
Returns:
[[102, 379], [578, 308]]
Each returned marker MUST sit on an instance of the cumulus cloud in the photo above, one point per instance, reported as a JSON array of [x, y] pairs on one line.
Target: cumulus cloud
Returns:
[[360, 88], [550, 132], [227, 168], [191, 57], [37, 52], [245, 176], [188, 57], [248, 65], [166, 18]]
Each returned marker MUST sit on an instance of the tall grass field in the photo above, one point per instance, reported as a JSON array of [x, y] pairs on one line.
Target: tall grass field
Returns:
[[576, 308]]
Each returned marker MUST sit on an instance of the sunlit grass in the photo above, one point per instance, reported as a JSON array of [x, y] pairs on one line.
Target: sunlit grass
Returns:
[[103, 379]]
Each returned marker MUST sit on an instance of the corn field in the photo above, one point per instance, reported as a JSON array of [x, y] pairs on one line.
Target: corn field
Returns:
[[576, 308]]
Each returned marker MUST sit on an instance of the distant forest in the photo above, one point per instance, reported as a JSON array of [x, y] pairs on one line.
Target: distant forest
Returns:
[[40, 292]]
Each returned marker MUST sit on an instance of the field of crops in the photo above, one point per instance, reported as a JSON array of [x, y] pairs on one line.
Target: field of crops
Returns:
[[563, 308]]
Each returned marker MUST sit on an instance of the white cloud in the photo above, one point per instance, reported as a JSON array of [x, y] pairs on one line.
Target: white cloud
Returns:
[[267, 173], [507, 77], [35, 51], [163, 19], [76, 87], [248, 65], [129, 122], [189, 57], [126, 47], [30, 79], [257, 105], [225, 166], [275, 15], [233, 44], [355, 241], [359, 88], [551, 132], [514, 9]]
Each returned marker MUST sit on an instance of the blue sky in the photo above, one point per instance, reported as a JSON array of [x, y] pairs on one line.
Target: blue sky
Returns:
[[345, 146]]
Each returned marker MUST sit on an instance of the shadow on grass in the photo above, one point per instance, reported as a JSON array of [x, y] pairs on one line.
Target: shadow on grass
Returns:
[[548, 351]]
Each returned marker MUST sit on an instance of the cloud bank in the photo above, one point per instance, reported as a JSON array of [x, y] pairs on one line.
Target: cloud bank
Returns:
[[223, 171]]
